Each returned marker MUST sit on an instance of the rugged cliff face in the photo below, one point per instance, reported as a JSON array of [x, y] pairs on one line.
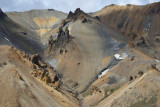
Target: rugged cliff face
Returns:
[[29, 81], [138, 23], [78, 47], [1, 13]]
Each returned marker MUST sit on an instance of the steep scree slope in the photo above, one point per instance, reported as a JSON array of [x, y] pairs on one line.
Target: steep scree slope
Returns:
[[14, 34], [79, 47]]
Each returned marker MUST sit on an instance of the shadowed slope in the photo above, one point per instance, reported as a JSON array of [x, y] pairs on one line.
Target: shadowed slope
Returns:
[[39, 21], [13, 34]]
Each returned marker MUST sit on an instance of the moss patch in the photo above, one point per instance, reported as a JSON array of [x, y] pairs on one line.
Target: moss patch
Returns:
[[146, 103]]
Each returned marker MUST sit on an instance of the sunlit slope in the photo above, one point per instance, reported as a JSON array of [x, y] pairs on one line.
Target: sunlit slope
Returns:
[[140, 24], [40, 21]]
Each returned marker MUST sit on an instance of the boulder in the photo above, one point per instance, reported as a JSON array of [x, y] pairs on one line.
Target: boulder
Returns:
[[35, 59], [97, 17], [130, 78], [4, 63], [155, 67], [140, 73], [84, 20], [132, 58]]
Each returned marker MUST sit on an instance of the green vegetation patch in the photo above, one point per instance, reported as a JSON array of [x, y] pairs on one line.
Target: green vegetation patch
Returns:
[[146, 103]]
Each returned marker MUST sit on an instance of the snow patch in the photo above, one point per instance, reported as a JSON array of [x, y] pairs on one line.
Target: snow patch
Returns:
[[117, 56], [122, 56], [103, 73], [6, 39], [156, 60], [53, 62]]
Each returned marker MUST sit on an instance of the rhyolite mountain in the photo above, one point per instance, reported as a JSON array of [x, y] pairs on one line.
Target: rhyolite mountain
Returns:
[[109, 58], [140, 24]]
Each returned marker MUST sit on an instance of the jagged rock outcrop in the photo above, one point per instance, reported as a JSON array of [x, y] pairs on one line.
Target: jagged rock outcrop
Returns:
[[78, 14], [1, 13], [35, 58], [140, 73], [61, 40], [40, 69], [141, 43], [21, 86], [94, 89]]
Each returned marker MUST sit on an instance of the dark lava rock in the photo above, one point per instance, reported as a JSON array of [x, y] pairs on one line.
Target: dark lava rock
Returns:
[[78, 14], [130, 78], [61, 40], [84, 20], [70, 15], [140, 73], [97, 17], [50, 9], [141, 43], [1, 13], [4, 63], [35, 58]]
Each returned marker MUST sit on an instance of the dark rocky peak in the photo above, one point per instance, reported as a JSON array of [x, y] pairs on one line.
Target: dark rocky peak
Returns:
[[78, 14], [1, 13], [78, 11], [51, 10], [70, 15], [113, 5]]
